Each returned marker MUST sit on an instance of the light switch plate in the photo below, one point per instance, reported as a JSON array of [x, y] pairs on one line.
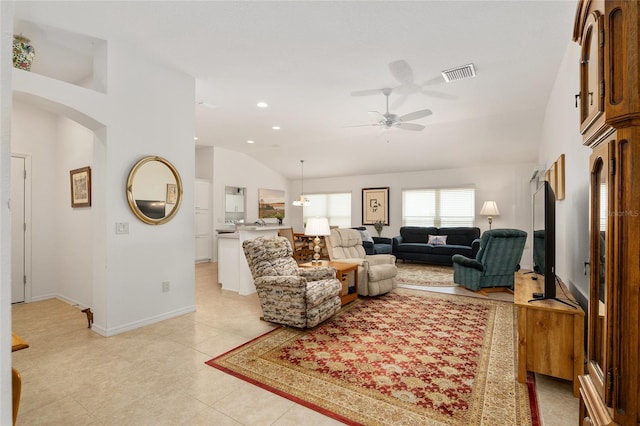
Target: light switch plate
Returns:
[[122, 228]]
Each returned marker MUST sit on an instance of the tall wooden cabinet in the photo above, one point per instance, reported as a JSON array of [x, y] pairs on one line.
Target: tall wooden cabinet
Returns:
[[609, 110]]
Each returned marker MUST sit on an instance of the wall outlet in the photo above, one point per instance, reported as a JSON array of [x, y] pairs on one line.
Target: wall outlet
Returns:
[[166, 286]]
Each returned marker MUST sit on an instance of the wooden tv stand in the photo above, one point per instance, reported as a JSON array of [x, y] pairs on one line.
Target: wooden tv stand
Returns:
[[550, 333]]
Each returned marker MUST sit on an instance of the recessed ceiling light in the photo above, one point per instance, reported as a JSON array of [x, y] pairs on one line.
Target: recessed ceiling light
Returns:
[[275, 127], [250, 141], [195, 138], [262, 105]]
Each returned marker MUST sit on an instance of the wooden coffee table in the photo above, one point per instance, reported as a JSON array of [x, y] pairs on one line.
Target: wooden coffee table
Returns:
[[346, 273]]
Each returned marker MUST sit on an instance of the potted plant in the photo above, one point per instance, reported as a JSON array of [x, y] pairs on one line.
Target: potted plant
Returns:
[[279, 216], [378, 226]]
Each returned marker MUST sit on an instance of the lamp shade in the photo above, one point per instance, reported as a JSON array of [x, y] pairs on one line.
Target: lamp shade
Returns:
[[490, 208], [317, 226]]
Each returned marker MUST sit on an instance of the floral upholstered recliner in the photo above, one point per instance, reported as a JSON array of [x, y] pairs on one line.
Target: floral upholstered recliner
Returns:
[[298, 297]]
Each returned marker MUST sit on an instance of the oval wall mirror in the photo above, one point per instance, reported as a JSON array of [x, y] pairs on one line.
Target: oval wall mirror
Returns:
[[154, 190]]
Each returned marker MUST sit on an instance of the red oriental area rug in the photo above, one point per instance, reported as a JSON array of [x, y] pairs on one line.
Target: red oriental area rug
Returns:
[[406, 358]]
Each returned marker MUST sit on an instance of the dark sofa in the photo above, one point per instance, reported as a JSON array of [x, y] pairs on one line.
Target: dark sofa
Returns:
[[412, 244]]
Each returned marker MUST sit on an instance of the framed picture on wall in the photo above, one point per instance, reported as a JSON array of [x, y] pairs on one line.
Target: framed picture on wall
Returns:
[[375, 205], [172, 193], [81, 187], [560, 178], [270, 203]]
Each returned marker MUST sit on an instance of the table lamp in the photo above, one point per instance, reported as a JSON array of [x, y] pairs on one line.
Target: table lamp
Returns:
[[490, 208], [317, 227]]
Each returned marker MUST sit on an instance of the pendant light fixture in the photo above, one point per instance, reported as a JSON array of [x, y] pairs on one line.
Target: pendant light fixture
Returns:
[[302, 201]]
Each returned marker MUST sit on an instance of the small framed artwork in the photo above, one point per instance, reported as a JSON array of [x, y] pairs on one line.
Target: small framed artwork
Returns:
[[172, 193], [375, 206], [560, 178], [553, 178], [270, 203], [80, 187]]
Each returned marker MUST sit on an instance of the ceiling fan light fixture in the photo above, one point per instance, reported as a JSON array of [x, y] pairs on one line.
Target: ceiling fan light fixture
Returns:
[[302, 201], [459, 73]]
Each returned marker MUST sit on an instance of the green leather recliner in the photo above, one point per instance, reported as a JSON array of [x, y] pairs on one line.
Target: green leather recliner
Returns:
[[496, 262]]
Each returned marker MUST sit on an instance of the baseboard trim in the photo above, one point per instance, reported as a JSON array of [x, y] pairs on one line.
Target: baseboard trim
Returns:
[[107, 332], [143, 322]]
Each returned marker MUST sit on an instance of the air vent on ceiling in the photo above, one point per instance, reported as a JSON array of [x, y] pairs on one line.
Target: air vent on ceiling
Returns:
[[458, 73]]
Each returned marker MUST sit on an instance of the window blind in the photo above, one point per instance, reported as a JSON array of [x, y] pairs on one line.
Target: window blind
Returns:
[[336, 207], [443, 207]]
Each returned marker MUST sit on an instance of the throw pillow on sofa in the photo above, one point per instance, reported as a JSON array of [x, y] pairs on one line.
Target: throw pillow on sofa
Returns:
[[437, 240], [366, 236]]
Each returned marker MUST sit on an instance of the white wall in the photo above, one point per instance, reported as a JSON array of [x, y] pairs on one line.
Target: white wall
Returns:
[[60, 236], [232, 168], [34, 133], [73, 227], [204, 163], [148, 111], [6, 67], [561, 135]]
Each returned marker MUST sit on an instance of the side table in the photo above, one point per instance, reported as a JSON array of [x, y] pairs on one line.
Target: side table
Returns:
[[346, 273], [550, 333]]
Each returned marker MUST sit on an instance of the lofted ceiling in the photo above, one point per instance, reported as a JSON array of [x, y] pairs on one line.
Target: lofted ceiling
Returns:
[[305, 59]]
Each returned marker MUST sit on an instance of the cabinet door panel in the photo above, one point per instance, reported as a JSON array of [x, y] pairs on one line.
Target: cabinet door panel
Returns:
[[203, 223], [591, 72], [599, 234]]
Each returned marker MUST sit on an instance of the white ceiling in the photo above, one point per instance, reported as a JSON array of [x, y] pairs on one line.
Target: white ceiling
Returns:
[[306, 58]]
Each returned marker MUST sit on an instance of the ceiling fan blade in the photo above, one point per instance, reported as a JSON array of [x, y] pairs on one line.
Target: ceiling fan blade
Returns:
[[369, 92], [399, 101], [401, 71], [364, 125], [410, 126], [377, 115], [416, 115], [434, 81], [440, 95]]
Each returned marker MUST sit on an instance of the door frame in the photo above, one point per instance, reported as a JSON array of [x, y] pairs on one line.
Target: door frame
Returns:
[[27, 221]]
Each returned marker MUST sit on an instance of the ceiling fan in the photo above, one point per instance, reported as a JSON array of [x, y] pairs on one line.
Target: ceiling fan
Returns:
[[403, 73], [389, 120]]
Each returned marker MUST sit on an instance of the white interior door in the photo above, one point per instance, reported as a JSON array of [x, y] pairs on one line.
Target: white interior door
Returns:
[[18, 275]]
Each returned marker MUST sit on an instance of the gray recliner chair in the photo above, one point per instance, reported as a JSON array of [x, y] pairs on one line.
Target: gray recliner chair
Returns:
[[376, 273]]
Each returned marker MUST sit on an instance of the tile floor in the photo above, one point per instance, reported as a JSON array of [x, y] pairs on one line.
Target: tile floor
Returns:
[[156, 375]]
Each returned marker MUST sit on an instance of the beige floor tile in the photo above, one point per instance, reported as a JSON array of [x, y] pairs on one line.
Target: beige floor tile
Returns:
[[157, 375], [251, 405], [299, 415], [558, 405], [62, 412]]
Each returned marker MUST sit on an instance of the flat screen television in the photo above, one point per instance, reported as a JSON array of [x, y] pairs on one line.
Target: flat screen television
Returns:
[[544, 239]]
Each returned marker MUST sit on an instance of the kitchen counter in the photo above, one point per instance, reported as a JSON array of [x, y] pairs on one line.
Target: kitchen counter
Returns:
[[233, 271]]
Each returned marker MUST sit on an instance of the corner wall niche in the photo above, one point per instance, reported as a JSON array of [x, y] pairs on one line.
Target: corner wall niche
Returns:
[[70, 57]]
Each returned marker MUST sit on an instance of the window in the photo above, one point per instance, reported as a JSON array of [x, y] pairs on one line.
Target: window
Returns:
[[335, 207], [445, 207]]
